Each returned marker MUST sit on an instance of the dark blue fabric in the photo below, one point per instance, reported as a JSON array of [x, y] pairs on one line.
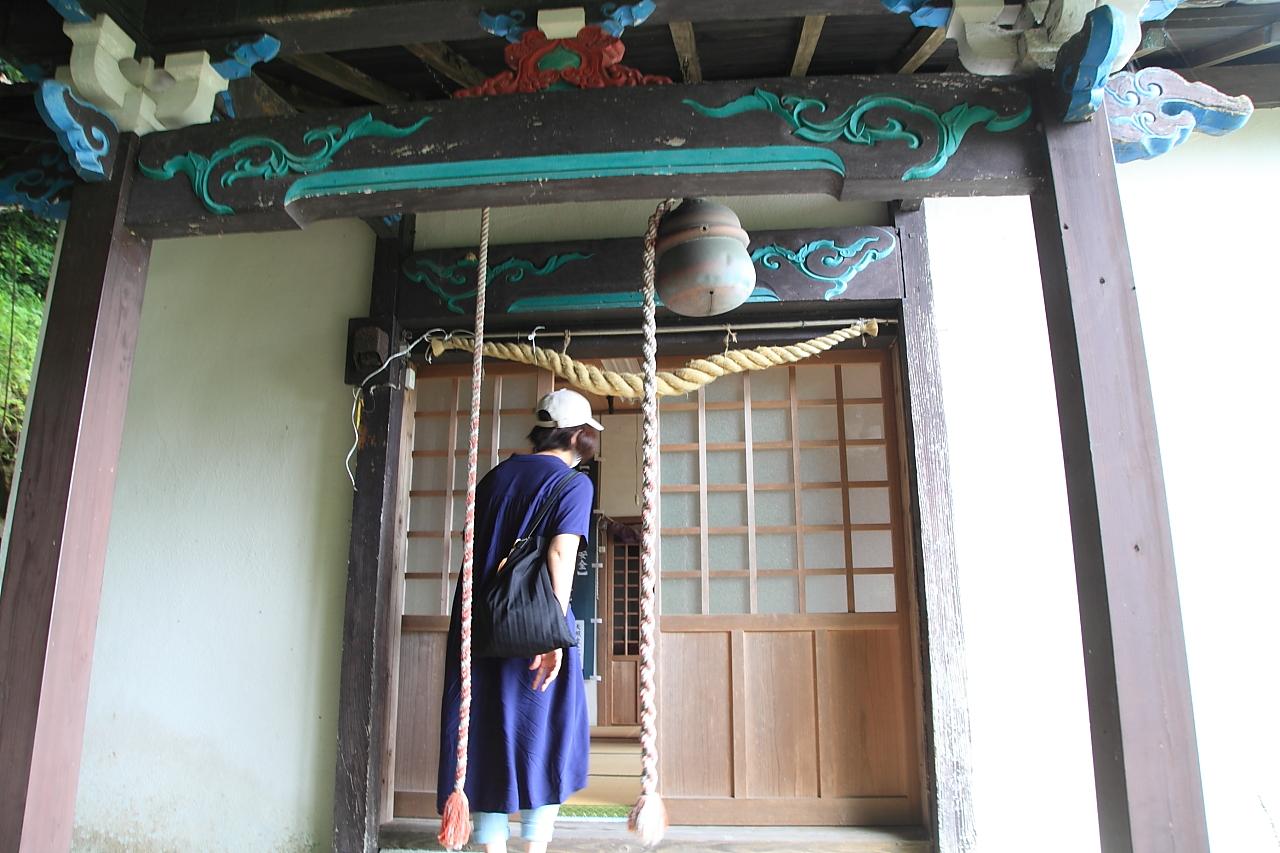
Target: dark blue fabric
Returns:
[[527, 748]]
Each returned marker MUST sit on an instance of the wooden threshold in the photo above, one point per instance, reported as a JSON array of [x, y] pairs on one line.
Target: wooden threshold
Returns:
[[615, 732], [612, 836]]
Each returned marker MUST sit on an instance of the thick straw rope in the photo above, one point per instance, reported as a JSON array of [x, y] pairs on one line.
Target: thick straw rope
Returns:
[[670, 383], [649, 817], [455, 827]]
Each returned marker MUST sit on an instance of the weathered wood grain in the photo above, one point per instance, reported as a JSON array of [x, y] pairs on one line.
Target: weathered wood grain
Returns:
[[948, 742], [366, 672], [643, 142], [1146, 768], [62, 511]]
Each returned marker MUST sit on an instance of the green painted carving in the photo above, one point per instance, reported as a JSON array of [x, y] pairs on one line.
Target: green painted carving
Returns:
[[565, 167], [278, 160], [830, 257], [851, 125], [452, 284], [600, 301]]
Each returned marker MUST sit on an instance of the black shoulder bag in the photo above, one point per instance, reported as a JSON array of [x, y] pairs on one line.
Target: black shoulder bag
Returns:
[[517, 614]]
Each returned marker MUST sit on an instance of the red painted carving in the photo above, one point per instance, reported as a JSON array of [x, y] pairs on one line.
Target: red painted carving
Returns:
[[600, 67]]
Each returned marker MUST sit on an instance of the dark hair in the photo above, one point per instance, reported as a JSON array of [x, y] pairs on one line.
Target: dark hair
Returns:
[[583, 440]]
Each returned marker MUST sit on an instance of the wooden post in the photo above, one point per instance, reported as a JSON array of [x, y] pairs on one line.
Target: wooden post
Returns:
[[62, 511], [946, 700], [1146, 768], [366, 675]]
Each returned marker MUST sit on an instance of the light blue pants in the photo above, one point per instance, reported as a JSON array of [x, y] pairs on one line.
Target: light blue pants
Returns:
[[535, 825]]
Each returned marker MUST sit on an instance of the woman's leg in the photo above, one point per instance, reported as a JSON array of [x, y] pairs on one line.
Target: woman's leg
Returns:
[[537, 826], [491, 830]]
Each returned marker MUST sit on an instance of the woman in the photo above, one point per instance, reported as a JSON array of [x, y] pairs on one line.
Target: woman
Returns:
[[529, 742]]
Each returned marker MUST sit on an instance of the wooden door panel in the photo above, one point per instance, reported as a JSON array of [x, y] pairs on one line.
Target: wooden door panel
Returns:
[[418, 714], [624, 698], [695, 729], [863, 721], [780, 715]]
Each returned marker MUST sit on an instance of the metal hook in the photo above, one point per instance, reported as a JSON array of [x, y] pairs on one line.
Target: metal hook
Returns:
[[533, 336]]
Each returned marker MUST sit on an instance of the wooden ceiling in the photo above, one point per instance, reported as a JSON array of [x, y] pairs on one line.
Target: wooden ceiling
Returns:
[[359, 52]]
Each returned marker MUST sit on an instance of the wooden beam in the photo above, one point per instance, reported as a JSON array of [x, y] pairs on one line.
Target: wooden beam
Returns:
[[923, 45], [365, 670], [810, 33], [1146, 769], [441, 58], [251, 97], [595, 278], [346, 77], [295, 96], [381, 23], [947, 730], [1261, 83], [1235, 47], [62, 510], [1154, 40], [650, 141], [686, 50]]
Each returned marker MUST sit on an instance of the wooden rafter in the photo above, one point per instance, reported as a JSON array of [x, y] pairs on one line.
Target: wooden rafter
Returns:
[[252, 97], [297, 97], [1153, 41], [809, 35], [346, 77], [1235, 47], [443, 59], [923, 45], [1260, 82], [687, 50]]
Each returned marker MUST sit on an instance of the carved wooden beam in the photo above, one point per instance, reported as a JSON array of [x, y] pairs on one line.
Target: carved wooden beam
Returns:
[[687, 50], [923, 45], [810, 33], [1235, 47], [439, 57], [346, 77], [881, 137], [597, 277], [39, 180]]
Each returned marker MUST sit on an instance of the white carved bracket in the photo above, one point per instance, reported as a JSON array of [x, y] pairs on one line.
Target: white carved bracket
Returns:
[[140, 97], [995, 39]]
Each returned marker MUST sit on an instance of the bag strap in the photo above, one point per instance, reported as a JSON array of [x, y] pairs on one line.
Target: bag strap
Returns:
[[545, 509]]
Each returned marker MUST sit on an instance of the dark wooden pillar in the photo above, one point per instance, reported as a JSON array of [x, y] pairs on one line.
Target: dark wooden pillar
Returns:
[[366, 662], [946, 702], [62, 510], [1146, 768]]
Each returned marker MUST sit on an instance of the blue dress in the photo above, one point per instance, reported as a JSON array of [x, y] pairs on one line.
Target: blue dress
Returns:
[[527, 748]]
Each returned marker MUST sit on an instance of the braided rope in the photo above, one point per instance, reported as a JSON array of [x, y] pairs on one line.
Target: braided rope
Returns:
[[670, 383], [458, 833], [648, 819]]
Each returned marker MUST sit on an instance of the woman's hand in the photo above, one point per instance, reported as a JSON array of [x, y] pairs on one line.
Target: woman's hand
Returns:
[[548, 667]]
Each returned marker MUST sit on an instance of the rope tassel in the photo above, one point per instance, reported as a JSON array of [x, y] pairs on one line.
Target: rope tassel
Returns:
[[455, 823]]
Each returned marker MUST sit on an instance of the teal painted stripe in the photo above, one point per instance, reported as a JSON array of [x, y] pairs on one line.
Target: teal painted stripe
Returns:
[[564, 167], [602, 301]]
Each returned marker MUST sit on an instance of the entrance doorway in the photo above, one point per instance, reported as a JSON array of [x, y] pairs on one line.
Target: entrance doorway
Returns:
[[787, 692]]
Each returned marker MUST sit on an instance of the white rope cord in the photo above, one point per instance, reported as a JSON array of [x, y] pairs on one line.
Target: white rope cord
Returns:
[[455, 827], [649, 817]]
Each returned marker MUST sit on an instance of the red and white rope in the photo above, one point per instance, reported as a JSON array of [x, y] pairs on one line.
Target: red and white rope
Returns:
[[454, 833], [648, 818]]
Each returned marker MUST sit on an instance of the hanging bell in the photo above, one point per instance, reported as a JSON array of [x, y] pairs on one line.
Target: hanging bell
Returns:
[[703, 267]]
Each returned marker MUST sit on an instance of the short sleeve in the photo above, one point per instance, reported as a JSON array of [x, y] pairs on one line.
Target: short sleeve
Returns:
[[573, 513]]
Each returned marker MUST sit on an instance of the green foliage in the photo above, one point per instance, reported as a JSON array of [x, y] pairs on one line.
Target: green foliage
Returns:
[[26, 256]]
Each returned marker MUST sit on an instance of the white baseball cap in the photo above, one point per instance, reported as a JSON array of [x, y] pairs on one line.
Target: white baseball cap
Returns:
[[565, 408]]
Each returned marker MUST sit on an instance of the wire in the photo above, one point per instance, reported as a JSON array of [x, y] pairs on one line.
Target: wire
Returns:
[[357, 401]]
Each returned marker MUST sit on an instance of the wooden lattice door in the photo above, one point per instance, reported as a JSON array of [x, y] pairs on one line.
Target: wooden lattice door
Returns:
[[619, 651]]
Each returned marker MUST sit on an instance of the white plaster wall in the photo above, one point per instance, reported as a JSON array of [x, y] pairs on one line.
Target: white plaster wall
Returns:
[[1201, 225], [211, 722]]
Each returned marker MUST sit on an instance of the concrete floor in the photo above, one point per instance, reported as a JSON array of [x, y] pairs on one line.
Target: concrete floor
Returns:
[[611, 836]]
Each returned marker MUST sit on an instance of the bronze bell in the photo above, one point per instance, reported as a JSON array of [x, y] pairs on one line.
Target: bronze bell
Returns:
[[703, 267]]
